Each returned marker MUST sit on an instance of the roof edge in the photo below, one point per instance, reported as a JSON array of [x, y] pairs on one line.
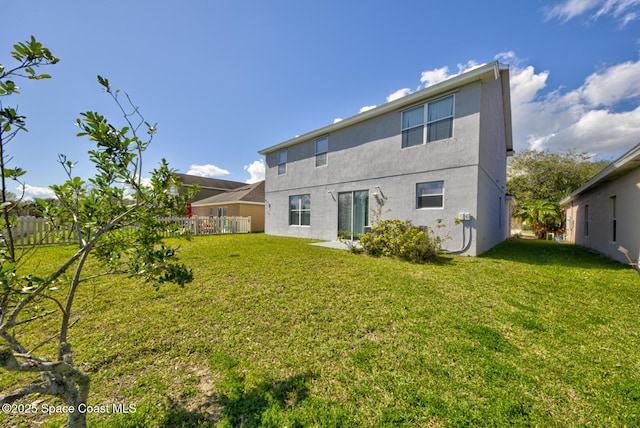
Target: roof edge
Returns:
[[614, 166]]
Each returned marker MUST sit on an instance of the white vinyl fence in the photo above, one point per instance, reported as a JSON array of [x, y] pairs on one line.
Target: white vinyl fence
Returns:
[[213, 225], [33, 230]]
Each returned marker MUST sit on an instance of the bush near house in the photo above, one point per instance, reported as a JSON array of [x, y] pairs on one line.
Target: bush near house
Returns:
[[397, 238]]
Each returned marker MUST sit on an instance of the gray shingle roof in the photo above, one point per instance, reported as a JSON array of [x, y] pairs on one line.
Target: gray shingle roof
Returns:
[[247, 193]]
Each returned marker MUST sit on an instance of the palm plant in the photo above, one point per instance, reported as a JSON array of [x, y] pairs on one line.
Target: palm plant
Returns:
[[542, 215]]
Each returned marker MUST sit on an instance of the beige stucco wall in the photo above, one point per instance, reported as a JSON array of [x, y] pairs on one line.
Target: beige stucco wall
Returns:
[[626, 190], [256, 212]]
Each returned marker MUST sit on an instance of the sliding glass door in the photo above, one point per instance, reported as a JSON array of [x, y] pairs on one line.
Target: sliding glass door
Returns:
[[353, 213]]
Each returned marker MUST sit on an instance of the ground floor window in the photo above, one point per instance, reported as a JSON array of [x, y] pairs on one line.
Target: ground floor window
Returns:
[[614, 220], [430, 195], [586, 220], [300, 210]]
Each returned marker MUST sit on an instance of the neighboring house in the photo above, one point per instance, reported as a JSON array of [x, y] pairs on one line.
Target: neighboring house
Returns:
[[208, 186], [438, 153], [245, 201], [603, 213]]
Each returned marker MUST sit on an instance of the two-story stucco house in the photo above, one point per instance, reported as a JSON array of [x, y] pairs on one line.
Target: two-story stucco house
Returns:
[[438, 153]]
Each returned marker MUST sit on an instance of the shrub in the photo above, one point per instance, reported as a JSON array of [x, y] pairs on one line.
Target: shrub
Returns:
[[397, 238]]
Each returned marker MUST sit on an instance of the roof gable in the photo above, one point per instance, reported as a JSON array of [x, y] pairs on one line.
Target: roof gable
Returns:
[[209, 183], [248, 193]]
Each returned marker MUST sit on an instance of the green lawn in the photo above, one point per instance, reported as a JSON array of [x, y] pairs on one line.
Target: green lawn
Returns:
[[276, 332]]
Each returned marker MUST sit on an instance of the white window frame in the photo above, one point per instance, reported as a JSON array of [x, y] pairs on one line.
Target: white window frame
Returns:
[[418, 126], [282, 162], [430, 195], [299, 210], [425, 121], [322, 155]]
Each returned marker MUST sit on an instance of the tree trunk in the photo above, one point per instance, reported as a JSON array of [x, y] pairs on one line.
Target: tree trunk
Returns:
[[77, 419], [76, 389]]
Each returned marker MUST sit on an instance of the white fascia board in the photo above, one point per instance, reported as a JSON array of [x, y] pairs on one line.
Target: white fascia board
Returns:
[[506, 105], [490, 71], [199, 204]]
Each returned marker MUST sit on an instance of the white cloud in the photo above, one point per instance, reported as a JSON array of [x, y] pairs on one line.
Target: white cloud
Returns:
[[256, 169], [431, 77], [593, 118], [367, 108], [613, 84], [627, 18], [207, 171], [602, 132], [336, 120], [428, 78], [624, 11], [398, 94], [509, 56], [33, 192], [525, 84], [569, 9], [470, 65]]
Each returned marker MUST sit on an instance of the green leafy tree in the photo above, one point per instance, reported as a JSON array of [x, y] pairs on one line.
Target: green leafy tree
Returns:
[[539, 180], [29, 55], [542, 215], [117, 221]]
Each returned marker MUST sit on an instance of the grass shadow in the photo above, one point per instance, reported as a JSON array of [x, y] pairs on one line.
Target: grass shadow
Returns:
[[539, 252], [240, 406], [248, 408], [178, 416]]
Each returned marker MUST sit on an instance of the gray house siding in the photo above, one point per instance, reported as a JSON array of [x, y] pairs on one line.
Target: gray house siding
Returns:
[[367, 155], [493, 227], [599, 237]]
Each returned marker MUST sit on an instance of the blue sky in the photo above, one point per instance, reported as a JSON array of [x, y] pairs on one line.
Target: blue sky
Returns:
[[224, 79]]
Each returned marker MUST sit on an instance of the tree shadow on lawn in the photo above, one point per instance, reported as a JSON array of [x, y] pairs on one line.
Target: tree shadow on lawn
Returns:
[[539, 252], [239, 407]]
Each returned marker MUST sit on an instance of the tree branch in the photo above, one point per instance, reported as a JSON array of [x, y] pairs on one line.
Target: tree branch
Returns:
[[28, 320], [38, 388], [58, 369], [44, 342]]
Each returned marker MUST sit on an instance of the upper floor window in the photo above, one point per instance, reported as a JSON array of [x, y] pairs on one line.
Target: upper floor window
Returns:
[[430, 195], [282, 162], [322, 146], [436, 118]]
